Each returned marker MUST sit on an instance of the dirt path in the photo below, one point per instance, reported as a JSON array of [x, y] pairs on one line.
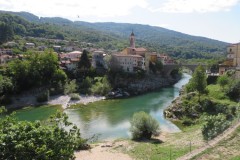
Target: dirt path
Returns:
[[211, 143], [104, 151]]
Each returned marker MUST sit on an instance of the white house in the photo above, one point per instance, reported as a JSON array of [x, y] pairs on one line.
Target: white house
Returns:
[[129, 63]]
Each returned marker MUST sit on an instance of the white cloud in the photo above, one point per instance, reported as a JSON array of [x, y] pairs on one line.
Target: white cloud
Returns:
[[201, 6], [74, 8]]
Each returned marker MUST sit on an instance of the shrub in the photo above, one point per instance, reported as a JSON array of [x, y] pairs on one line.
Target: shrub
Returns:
[[143, 126], [43, 97], [101, 87], [214, 125], [70, 87], [233, 90], [74, 96]]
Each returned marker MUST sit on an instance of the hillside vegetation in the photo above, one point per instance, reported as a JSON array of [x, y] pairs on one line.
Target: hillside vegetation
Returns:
[[115, 35]]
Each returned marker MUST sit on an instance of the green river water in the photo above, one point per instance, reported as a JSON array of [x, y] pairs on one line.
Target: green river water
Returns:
[[111, 118]]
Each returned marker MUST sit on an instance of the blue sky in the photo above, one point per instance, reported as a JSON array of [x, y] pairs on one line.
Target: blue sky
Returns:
[[216, 19]]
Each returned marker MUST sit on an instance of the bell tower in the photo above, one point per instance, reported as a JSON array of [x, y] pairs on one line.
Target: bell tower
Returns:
[[132, 40]]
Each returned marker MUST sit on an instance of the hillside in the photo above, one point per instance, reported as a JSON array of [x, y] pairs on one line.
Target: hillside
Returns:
[[115, 36]]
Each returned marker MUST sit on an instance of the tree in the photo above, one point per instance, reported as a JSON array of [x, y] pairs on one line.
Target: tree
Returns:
[[84, 64], [38, 140], [198, 82], [143, 126], [159, 66], [152, 67], [6, 85], [6, 33], [223, 81]]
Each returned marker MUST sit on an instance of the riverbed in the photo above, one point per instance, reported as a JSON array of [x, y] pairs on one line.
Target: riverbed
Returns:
[[110, 119]]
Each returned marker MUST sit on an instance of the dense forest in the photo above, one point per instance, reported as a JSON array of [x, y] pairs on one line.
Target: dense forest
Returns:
[[113, 36]]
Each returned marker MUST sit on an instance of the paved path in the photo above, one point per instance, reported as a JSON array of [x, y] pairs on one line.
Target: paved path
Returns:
[[210, 143]]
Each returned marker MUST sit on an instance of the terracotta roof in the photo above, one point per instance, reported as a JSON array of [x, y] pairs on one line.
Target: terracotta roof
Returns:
[[140, 49]]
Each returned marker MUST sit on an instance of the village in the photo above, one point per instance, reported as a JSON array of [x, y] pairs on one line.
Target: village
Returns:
[[129, 60]]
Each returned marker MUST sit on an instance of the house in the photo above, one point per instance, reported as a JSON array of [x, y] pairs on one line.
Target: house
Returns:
[[5, 58], [70, 60], [68, 49], [98, 59], [233, 54], [130, 63], [6, 51], [11, 44], [30, 45], [233, 59], [41, 48], [165, 59], [56, 48]]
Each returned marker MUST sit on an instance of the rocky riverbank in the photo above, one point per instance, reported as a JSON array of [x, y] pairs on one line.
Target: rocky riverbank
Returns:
[[26, 99], [143, 85]]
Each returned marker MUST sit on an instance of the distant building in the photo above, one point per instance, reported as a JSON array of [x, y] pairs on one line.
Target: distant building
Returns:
[[5, 58], [57, 48], [165, 59], [233, 54], [233, 59], [6, 51], [11, 44], [130, 63], [70, 60], [98, 59], [30, 45]]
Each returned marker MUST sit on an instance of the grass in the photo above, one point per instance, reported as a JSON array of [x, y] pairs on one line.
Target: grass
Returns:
[[227, 149], [171, 146], [176, 145], [217, 93]]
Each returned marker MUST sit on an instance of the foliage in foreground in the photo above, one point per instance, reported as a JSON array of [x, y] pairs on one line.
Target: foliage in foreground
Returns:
[[214, 125], [143, 126], [35, 140]]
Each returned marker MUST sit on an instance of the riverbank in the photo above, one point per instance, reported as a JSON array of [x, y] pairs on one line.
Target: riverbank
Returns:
[[28, 99], [150, 83]]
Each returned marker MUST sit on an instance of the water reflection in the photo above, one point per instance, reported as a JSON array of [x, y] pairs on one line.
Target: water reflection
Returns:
[[111, 118]]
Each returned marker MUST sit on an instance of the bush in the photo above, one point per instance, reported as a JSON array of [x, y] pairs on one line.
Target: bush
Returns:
[[74, 96], [101, 87], [36, 140], [70, 87], [43, 97], [233, 90], [143, 126], [214, 125]]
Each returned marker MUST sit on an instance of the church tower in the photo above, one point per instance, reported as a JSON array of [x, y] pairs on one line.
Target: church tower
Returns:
[[132, 40]]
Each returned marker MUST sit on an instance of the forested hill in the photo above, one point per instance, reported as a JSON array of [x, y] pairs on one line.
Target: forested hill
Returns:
[[115, 36]]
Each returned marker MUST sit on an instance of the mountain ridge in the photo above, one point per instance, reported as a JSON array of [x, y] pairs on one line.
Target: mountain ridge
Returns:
[[177, 44]]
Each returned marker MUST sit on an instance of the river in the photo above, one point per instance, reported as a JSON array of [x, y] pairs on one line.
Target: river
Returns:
[[110, 119]]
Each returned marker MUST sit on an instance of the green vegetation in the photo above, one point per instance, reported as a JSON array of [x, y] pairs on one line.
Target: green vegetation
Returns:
[[227, 149], [35, 70], [223, 81], [112, 36], [167, 146], [84, 64], [43, 97], [233, 90], [198, 82], [143, 126], [214, 125], [38, 140]]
